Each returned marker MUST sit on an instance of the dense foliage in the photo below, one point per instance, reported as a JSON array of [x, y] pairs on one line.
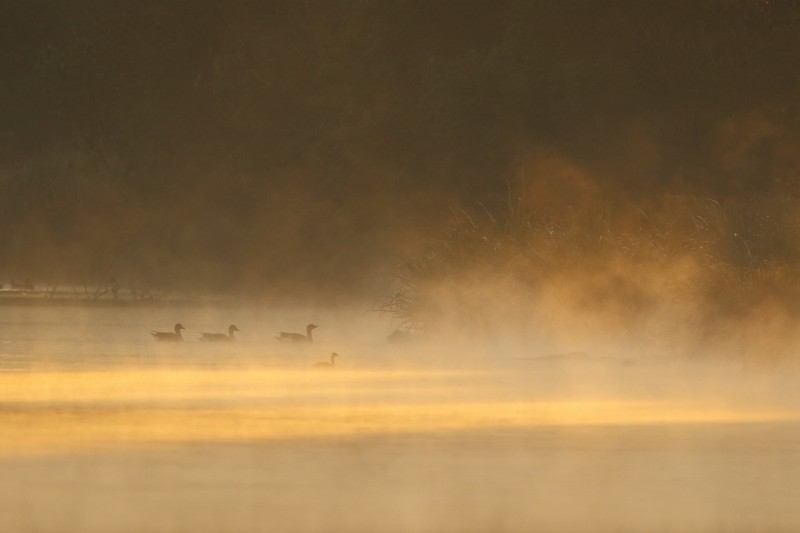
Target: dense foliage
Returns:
[[236, 145]]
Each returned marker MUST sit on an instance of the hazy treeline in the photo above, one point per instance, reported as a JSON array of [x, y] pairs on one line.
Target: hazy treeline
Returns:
[[238, 146], [688, 275]]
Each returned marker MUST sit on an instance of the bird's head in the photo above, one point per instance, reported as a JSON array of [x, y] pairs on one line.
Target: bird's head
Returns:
[[179, 327], [232, 328], [312, 326]]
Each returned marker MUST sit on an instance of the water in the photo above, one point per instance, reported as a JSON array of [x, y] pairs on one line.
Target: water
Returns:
[[104, 429]]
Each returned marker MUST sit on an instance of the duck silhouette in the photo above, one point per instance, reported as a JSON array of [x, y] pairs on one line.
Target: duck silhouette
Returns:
[[297, 337], [169, 335], [325, 364], [220, 337]]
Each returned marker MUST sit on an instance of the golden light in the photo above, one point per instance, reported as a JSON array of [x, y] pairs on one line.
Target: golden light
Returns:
[[56, 412]]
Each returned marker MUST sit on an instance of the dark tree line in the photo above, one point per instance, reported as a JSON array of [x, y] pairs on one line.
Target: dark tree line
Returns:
[[231, 145]]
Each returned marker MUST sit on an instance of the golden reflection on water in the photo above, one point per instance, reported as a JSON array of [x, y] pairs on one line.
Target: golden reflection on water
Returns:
[[168, 384], [61, 412]]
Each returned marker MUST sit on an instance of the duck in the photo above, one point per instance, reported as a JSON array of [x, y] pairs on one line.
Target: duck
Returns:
[[325, 364], [297, 337], [214, 337], [169, 335], [398, 336]]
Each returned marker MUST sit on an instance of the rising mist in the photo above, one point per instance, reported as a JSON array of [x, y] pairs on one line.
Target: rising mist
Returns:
[[554, 244]]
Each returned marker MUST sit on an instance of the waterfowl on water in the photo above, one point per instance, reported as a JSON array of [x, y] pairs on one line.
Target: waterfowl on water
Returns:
[[169, 335], [213, 337], [325, 364], [297, 337], [398, 336]]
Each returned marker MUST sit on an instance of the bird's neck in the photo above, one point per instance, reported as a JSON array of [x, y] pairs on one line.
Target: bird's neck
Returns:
[[308, 333]]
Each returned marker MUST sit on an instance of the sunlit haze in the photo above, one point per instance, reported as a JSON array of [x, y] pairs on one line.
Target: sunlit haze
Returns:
[[367, 266]]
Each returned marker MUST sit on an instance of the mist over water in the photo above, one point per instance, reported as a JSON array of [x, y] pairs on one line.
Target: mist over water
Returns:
[[555, 246], [105, 429]]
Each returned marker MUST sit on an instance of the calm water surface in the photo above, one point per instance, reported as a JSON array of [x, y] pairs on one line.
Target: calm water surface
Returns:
[[104, 429]]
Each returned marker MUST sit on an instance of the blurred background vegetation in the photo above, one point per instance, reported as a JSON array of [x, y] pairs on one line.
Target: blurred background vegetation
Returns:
[[690, 275], [301, 147]]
